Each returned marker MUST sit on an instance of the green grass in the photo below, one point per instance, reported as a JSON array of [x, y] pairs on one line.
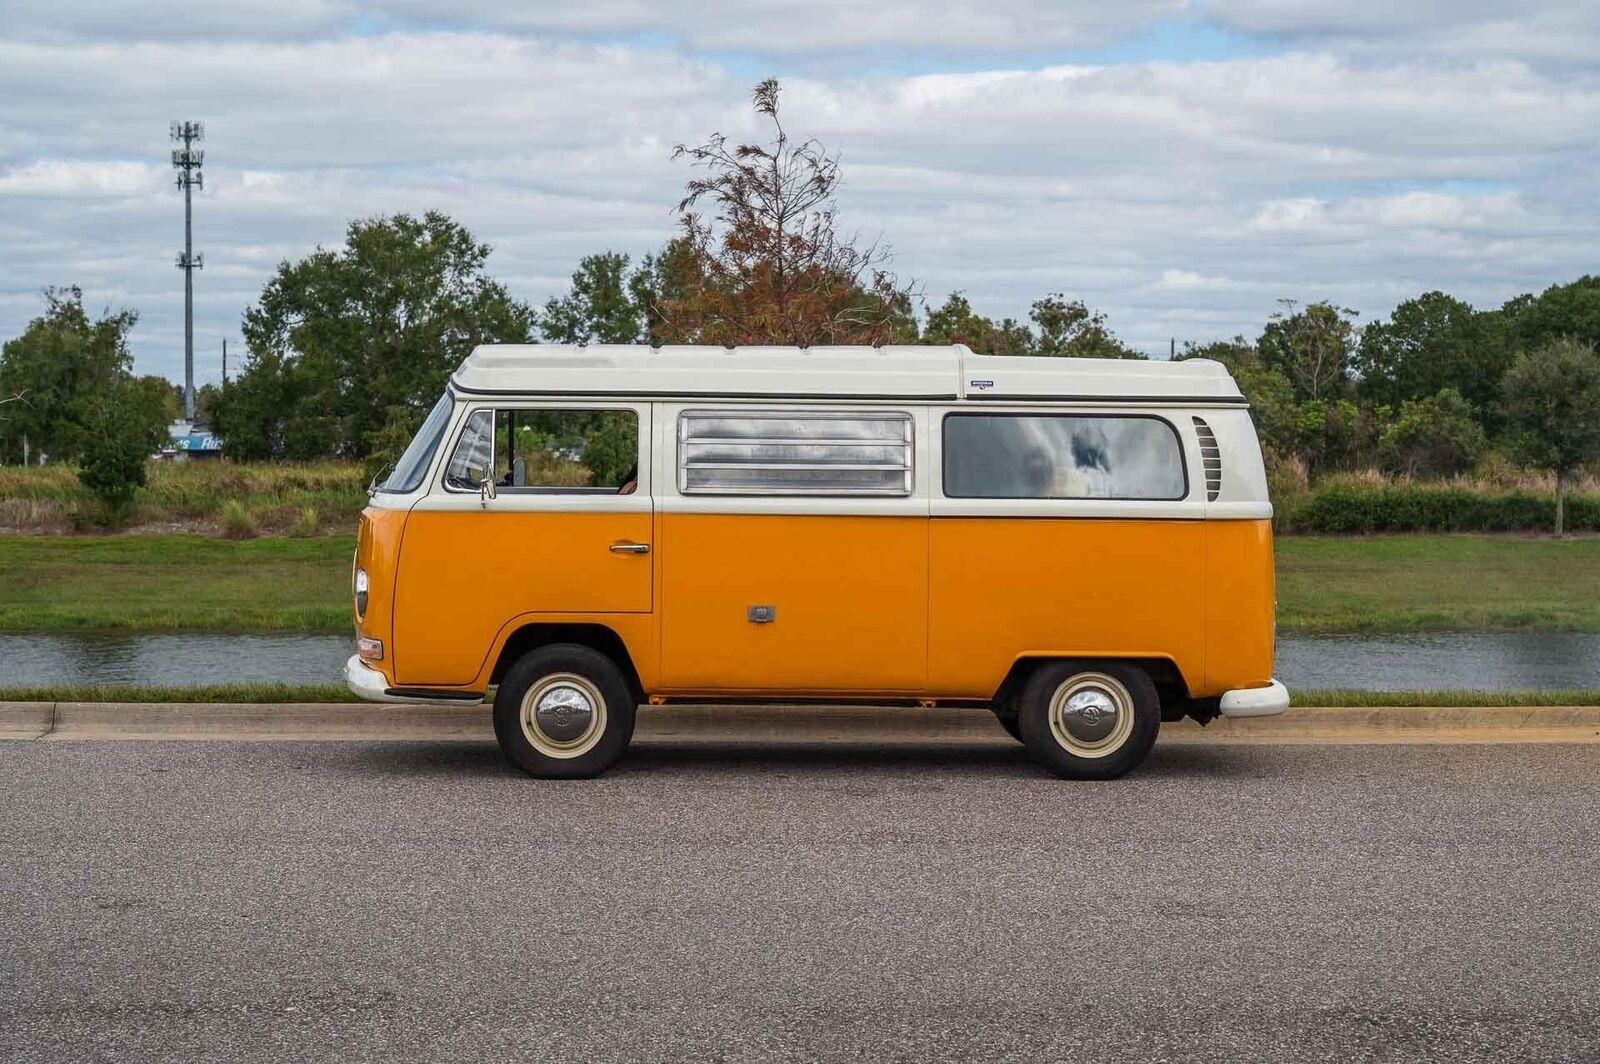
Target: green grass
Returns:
[[173, 582], [338, 693], [167, 582], [1402, 583]]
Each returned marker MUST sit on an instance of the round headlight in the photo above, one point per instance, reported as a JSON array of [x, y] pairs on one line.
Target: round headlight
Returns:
[[361, 592]]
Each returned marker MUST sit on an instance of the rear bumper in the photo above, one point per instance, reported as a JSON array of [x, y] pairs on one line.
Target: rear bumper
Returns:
[[1266, 701], [369, 684]]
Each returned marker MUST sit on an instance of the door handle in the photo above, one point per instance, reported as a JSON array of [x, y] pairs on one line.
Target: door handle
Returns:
[[629, 547]]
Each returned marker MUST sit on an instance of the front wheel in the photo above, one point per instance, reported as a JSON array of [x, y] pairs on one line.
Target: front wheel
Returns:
[[564, 712], [1091, 721]]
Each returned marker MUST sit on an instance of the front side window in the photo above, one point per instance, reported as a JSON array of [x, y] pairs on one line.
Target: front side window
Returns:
[[413, 463], [794, 452], [1061, 456], [590, 451]]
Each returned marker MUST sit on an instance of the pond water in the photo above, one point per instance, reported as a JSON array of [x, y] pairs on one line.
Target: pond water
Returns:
[[176, 660], [1502, 661], [1476, 661]]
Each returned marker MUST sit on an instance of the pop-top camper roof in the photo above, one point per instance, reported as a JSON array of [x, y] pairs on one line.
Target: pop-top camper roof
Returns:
[[942, 374]]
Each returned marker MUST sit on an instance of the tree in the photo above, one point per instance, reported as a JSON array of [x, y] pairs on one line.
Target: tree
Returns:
[[1552, 406], [1436, 436], [267, 412], [1312, 348], [345, 334], [1433, 342], [62, 361], [119, 438], [1330, 434], [205, 398], [607, 304], [1070, 329], [1272, 405], [389, 441], [955, 322], [1562, 310], [770, 266]]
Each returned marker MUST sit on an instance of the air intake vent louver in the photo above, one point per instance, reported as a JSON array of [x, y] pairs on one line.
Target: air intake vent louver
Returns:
[[1211, 455]]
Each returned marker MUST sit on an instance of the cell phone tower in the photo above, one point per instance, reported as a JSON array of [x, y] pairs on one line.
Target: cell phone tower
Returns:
[[186, 159]]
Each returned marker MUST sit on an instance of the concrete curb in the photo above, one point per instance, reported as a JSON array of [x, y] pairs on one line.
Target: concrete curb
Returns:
[[267, 720], [61, 721], [26, 720], [1402, 724]]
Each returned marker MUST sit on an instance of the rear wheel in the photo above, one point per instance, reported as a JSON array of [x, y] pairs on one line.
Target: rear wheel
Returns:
[[564, 712], [1009, 723], [1089, 721]]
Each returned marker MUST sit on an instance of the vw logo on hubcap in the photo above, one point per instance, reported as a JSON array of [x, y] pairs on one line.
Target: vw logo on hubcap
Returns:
[[564, 714]]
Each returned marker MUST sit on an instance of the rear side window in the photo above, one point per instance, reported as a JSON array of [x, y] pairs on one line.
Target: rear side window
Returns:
[[794, 452], [1061, 456]]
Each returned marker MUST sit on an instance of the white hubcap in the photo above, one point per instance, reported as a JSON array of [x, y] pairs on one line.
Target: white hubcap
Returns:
[[563, 715], [1091, 715]]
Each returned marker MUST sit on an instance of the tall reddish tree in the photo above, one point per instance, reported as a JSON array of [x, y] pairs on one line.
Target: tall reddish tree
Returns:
[[763, 261]]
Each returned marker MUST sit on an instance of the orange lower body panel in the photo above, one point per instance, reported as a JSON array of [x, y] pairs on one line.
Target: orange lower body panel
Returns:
[[859, 606], [1003, 589]]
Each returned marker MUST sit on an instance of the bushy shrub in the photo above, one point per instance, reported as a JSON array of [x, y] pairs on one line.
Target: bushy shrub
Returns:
[[1436, 436], [238, 520], [1349, 506], [305, 522], [115, 453], [1287, 477]]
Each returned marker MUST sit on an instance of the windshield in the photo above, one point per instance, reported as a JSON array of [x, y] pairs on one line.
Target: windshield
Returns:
[[414, 462]]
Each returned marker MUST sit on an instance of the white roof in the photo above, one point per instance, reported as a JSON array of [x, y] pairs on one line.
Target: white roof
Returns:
[[948, 373]]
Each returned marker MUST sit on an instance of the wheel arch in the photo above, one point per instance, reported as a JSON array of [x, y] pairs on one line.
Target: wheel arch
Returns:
[[598, 637], [1169, 682]]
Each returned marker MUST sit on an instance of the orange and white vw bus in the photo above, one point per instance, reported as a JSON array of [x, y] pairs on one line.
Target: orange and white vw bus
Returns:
[[1083, 546]]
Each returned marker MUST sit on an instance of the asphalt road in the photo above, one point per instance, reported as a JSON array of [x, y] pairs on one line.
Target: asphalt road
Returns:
[[241, 901]]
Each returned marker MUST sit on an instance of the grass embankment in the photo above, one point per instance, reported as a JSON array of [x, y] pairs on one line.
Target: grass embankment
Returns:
[[270, 693], [1437, 583], [1325, 584], [174, 582], [204, 496]]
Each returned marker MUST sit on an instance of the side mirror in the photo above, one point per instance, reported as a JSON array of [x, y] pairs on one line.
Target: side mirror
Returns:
[[486, 491], [378, 478]]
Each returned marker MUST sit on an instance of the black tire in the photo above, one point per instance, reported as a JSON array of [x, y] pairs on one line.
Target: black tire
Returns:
[[1009, 723], [1093, 743], [565, 677]]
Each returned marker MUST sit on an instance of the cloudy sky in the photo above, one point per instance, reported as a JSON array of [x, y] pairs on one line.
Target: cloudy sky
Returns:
[[1180, 165]]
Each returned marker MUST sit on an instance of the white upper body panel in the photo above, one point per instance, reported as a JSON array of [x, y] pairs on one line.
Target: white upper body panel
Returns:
[[929, 384], [1192, 382], [926, 373]]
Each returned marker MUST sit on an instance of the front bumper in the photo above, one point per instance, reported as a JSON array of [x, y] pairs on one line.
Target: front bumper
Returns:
[[368, 683], [1266, 701]]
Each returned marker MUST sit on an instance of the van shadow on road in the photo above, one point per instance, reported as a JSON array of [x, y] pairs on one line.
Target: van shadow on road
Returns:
[[664, 759]]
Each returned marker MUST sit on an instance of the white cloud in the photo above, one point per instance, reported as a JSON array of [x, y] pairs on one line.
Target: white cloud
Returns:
[[763, 27], [1181, 197], [1561, 30], [1189, 280], [72, 178]]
